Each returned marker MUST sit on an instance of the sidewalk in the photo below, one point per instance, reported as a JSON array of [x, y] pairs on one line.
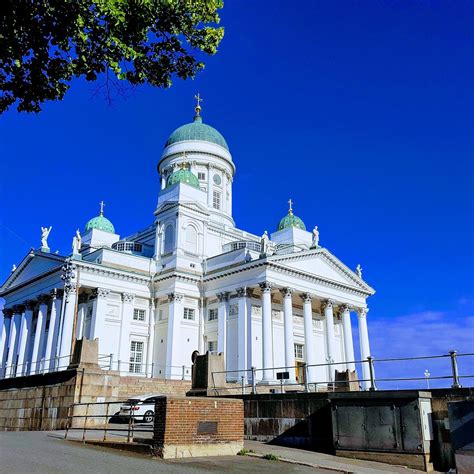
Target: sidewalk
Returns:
[[325, 461]]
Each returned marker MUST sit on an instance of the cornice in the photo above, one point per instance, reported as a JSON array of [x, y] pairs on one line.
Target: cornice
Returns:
[[97, 269]]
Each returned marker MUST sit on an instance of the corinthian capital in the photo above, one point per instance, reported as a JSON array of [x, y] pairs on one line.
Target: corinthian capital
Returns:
[[265, 286], [128, 297], [362, 312], [287, 292], [223, 296], [175, 297], [101, 292], [306, 297], [329, 304]]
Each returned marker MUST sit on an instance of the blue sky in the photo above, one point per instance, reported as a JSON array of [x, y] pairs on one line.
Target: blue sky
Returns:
[[361, 112]]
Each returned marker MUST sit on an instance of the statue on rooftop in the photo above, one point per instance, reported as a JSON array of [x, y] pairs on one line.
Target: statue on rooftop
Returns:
[[315, 243], [359, 270], [264, 243], [76, 243], [44, 236]]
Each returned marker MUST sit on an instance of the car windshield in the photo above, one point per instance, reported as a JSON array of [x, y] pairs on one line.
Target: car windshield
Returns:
[[132, 401]]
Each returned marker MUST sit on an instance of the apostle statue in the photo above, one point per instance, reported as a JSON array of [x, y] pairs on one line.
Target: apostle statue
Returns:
[[359, 270], [264, 243], [44, 236], [76, 243], [315, 243]]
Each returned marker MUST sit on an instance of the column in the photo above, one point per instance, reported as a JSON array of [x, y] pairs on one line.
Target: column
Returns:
[[289, 333], [267, 339], [4, 337], [222, 324], [347, 334], [242, 327], [39, 334], [364, 345], [98, 313], [124, 346], [209, 185], [330, 339], [81, 314], [175, 315], [202, 313], [13, 342], [25, 333], [151, 339], [309, 349], [70, 294], [53, 333]]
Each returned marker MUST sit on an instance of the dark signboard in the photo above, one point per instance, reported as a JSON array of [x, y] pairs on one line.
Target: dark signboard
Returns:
[[207, 427], [283, 375]]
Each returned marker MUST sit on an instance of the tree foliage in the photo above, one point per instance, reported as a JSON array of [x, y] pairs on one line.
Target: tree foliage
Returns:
[[44, 44]]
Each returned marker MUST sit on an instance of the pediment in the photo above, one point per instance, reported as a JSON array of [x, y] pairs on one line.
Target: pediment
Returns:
[[33, 265], [192, 205], [321, 263]]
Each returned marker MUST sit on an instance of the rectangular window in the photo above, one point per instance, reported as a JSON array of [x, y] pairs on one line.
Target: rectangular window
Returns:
[[136, 357], [212, 346], [298, 351], [138, 314], [189, 314], [89, 312], [212, 314], [216, 200], [201, 176]]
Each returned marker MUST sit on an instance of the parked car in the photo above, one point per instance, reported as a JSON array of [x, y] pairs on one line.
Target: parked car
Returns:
[[141, 407]]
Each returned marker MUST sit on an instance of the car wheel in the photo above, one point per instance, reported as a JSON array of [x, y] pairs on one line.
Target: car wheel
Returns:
[[148, 416]]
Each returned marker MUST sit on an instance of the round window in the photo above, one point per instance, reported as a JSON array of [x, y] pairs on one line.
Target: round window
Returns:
[[217, 179]]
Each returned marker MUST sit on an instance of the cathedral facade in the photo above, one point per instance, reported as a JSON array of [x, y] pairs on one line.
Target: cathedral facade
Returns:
[[190, 281]]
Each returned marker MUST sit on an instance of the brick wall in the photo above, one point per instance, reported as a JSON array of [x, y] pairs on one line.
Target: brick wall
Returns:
[[198, 426], [131, 386]]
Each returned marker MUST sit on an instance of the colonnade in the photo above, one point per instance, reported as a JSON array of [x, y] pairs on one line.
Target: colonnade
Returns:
[[328, 307], [29, 345]]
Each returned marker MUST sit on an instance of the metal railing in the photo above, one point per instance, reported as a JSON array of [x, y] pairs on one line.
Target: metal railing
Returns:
[[42, 366], [308, 377], [106, 421], [105, 361], [138, 369]]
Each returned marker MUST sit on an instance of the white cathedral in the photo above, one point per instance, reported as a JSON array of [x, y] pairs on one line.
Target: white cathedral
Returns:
[[190, 281]]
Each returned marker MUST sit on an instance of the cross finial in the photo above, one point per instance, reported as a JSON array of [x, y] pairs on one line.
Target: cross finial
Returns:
[[290, 210], [102, 204], [198, 105]]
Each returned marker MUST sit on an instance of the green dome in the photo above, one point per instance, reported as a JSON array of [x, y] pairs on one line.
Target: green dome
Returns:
[[290, 220], [197, 131], [100, 222], [183, 175]]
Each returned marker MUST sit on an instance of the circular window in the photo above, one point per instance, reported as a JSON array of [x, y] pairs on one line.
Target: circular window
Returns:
[[217, 179]]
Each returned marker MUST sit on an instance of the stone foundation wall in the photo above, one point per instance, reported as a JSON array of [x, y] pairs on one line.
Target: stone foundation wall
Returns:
[[132, 386], [41, 407]]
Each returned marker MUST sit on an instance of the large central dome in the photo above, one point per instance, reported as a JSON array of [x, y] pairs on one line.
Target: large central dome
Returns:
[[197, 131]]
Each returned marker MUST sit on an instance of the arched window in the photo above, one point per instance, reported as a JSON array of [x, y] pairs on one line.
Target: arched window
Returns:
[[169, 239], [191, 239]]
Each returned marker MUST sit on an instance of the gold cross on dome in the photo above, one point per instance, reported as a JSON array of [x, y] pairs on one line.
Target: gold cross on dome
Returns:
[[290, 210], [102, 204]]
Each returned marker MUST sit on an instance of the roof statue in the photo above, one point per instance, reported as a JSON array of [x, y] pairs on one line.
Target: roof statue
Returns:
[[315, 243], [359, 270], [76, 242], [44, 236]]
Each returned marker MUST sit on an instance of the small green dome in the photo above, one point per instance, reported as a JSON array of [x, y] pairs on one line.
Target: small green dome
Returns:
[[290, 220], [183, 175], [197, 131], [100, 222]]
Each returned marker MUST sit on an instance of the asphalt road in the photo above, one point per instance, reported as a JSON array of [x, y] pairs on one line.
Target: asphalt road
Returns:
[[44, 452]]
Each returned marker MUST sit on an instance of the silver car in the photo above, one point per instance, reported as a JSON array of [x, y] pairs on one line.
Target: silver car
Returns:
[[140, 408]]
